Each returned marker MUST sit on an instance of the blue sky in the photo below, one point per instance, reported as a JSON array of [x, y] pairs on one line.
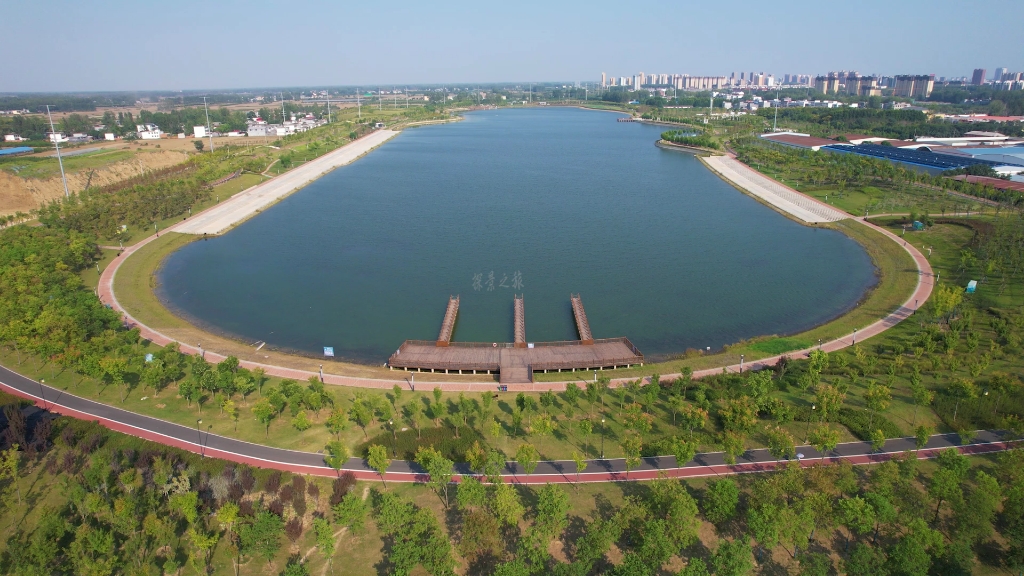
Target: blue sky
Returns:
[[52, 45]]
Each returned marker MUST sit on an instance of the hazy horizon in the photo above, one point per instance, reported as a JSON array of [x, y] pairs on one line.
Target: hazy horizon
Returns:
[[114, 45]]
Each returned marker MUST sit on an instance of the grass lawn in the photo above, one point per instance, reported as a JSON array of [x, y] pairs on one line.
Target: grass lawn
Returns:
[[91, 276]]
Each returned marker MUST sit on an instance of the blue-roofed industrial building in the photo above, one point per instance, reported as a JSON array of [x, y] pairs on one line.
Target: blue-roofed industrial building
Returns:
[[922, 158], [15, 151]]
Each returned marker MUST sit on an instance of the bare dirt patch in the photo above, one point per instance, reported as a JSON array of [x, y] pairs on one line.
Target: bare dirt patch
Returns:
[[24, 194]]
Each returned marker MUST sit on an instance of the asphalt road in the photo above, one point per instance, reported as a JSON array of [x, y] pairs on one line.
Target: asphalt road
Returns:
[[200, 441]]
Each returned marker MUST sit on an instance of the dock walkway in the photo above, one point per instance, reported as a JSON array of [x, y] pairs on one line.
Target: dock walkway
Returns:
[[581, 319], [448, 325], [515, 362], [519, 324]]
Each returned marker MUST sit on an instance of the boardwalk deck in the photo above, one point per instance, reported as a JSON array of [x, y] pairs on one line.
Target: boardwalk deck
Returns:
[[519, 323], [581, 319], [490, 358], [448, 325]]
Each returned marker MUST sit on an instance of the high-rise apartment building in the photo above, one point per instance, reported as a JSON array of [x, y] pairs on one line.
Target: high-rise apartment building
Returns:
[[914, 86], [999, 74], [979, 77], [604, 80]]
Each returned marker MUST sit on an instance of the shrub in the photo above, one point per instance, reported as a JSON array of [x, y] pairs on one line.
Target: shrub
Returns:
[[442, 439]]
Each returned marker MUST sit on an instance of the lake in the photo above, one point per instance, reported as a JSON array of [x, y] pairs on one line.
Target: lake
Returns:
[[539, 202]]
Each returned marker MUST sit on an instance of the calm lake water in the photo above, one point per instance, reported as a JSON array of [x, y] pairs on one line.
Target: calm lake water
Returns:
[[539, 202]]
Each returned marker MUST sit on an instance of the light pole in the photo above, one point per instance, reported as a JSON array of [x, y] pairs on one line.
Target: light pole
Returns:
[[321, 373], [200, 434], [741, 363], [807, 429], [854, 336], [394, 438], [201, 353], [595, 375], [602, 438], [209, 128], [56, 144], [42, 394], [819, 343]]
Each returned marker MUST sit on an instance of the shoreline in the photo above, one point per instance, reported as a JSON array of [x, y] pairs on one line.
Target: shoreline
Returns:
[[222, 217], [373, 376]]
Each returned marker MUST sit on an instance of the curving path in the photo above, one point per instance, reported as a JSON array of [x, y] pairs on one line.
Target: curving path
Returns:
[[557, 471], [922, 291]]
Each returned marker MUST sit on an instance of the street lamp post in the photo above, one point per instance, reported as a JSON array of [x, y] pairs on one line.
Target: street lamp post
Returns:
[[602, 438], [321, 373], [199, 433], [201, 353], [394, 439], [741, 363], [819, 343], [854, 336], [807, 429]]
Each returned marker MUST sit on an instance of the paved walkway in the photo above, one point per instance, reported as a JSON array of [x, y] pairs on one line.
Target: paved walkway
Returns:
[[245, 204], [782, 197], [922, 291], [558, 471]]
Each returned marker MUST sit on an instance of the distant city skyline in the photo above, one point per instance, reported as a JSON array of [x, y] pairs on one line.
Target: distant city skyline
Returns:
[[115, 45]]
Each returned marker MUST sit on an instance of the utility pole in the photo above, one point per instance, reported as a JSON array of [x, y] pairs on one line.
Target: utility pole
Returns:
[[406, 96], [359, 105], [775, 123], [56, 143], [328, 106], [380, 105], [395, 92], [283, 117], [209, 127]]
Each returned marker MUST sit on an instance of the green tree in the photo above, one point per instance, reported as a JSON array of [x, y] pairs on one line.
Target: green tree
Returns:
[[552, 511], [780, 443], [506, 504], [877, 440], [720, 500], [733, 443], [572, 393], [921, 395], [324, 540], [632, 444], [361, 415], [527, 457], [231, 411], [877, 398], [264, 412], [336, 423], [581, 464], [10, 461], [824, 439], [261, 535], [377, 458], [921, 436], [438, 468], [336, 454], [732, 558], [961, 389], [351, 512], [198, 144]]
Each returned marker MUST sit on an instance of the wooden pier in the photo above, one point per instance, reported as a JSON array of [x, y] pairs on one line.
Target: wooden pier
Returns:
[[448, 325], [519, 324], [582, 326], [515, 362]]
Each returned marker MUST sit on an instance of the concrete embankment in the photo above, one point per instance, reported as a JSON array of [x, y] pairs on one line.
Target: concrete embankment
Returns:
[[244, 205], [774, 194]]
